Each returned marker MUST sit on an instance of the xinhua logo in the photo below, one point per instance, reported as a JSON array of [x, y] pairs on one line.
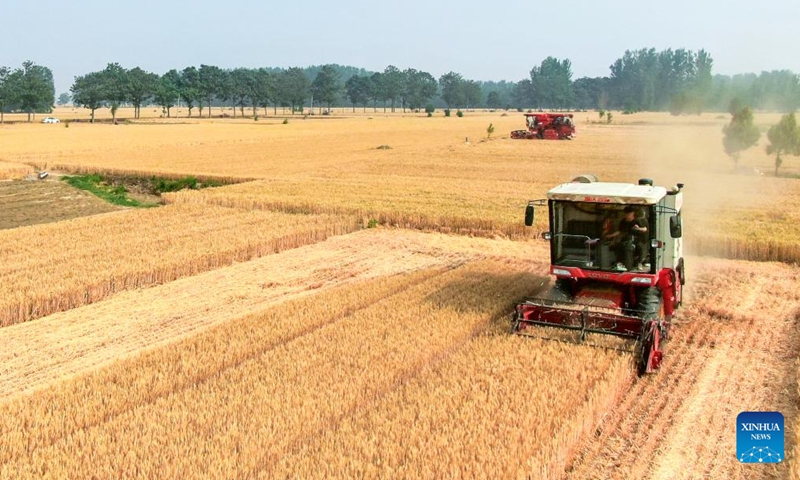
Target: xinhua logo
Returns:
[[759, 437]]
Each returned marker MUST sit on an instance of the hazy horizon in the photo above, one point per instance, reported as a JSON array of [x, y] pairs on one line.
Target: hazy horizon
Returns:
[[479, 40]]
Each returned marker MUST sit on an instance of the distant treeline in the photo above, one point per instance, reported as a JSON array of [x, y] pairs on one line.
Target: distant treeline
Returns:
[[680, 81]]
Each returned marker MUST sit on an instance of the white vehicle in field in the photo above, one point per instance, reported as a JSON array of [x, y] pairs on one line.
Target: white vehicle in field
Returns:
[[50, 120]]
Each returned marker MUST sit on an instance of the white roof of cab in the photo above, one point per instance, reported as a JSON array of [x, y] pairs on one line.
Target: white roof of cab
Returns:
[[606, 192]]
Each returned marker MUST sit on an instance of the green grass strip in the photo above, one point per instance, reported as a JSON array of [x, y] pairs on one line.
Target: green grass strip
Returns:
[[113, 194]]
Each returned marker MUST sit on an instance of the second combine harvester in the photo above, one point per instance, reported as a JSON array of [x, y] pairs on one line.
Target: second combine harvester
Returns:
[[616, 252]]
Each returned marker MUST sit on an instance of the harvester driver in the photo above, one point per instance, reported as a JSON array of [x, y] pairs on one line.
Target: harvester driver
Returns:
[[632, 246]]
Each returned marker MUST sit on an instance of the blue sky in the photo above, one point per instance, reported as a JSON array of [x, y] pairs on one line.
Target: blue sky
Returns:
[[482, 40]]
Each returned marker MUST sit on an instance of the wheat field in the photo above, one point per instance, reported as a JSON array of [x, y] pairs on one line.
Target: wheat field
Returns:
[[259, 330], [441, 174]]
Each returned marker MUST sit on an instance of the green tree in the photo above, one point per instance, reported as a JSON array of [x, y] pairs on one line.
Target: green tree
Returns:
[[784, 139], [115, 87], [88, 92], [264, 89], [63, 99], [552, 83], [493, 100], [141, 86], [420, 87], [326, 86], [452, 85], [472, 93], [34, 88], [168, 90], [740, 134], [377, 90], [8, 91], [292, 87], [358, 90], [211, 85], [393, 84], [189, 89], [242, 93]]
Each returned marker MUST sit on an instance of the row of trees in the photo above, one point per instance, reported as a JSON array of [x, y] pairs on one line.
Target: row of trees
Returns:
[[209, 85], [29, 89], [677, 80]]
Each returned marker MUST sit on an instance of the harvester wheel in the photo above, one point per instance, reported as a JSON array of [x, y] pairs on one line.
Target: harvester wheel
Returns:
[[648, 302], [651, 308], [648, 331]]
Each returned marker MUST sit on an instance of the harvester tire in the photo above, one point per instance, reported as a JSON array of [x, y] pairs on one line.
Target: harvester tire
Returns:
[[646, 346], [648, 302]]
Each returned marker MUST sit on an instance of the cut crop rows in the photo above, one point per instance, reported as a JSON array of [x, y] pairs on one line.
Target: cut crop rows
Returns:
[[733, 350], [233, 401], [55, 267]]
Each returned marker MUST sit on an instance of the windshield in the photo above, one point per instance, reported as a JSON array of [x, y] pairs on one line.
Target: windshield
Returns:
[[601, 236]]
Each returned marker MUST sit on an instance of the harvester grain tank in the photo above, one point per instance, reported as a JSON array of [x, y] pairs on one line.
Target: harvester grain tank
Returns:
[[547, 126], [617, 255]]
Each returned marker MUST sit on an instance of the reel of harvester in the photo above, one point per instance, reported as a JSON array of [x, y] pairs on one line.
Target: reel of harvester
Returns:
[[645, 328]]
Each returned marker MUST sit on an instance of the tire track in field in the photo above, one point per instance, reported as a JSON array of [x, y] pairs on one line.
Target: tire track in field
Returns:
[[679, 422]]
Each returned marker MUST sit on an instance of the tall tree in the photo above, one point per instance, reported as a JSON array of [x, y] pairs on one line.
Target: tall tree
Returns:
[[141, 86], [88, 91], [784, 138], [452, 85], [265, 89], [419, 89], [8, 90], [493, 100], [168, 90], [212, 84], [377, 91], [357, 88], [35, 89], [472, 93], [326, 86], [740, 134], [241, 89], [189, 89], [64, 98], [393, 82], [552, 83], [292, 87], [116, 87]]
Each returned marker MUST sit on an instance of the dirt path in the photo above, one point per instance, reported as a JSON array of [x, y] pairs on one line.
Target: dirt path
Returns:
[[734, 349], [46, 350]]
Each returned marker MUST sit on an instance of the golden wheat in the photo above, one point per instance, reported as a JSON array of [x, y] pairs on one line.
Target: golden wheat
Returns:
[[54, 267], [14, 171], [251, 409], [441, 174]]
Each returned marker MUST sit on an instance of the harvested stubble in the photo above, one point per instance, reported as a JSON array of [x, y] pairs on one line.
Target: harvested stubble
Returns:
[[230, 403], [732, 349], [41, 353], [55, 267]]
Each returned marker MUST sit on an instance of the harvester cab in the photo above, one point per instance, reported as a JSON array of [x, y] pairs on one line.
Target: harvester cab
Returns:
[[547, 126], [617, 255]]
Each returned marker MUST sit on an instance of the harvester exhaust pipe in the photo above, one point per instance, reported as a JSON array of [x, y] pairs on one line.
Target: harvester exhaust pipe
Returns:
[[646, 181]]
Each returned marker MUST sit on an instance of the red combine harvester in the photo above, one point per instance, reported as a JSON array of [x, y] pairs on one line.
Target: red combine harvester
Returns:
[[548, 126], [616, 252]]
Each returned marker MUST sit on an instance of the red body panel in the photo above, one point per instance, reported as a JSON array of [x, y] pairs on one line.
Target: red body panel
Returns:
[[549, 126]]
